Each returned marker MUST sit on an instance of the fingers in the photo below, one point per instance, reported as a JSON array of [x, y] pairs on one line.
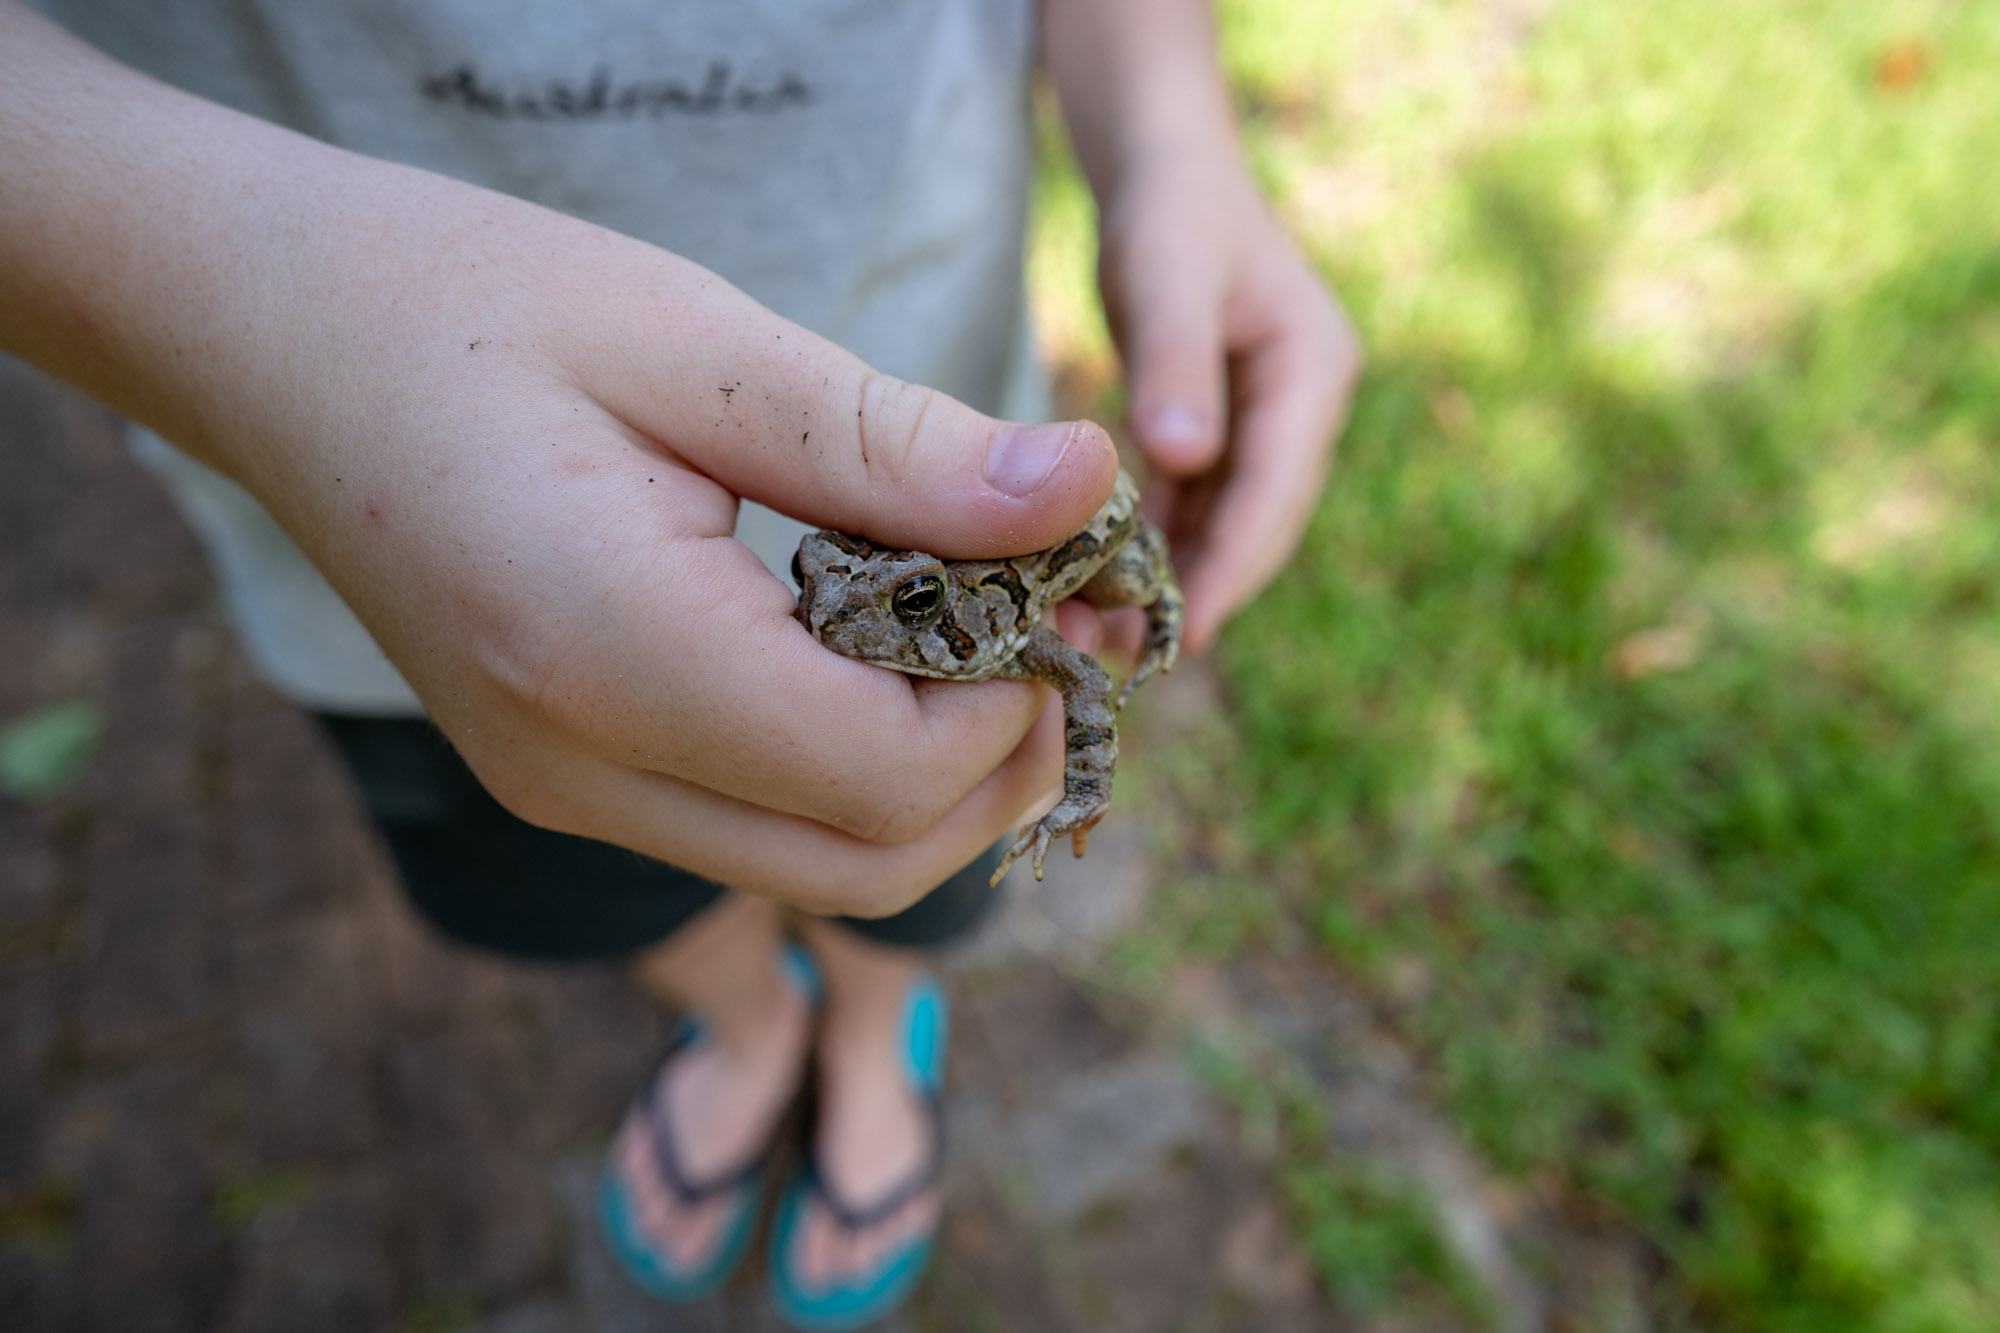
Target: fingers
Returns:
[[1169, 299], [621, 622], [715, 683], [786, 857], [1124, 637], [1081, 624], [1239, 368], [1294, 376], [618, 630], [779, 415]]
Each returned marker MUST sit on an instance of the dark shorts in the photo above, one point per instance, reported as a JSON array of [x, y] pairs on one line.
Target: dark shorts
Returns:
[[487, 878]]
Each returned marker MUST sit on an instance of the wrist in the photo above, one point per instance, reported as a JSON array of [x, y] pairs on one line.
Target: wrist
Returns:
[[1201, 193], [1140, 85]]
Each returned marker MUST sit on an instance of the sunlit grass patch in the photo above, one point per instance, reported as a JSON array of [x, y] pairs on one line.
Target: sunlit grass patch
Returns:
[[1636, 688]]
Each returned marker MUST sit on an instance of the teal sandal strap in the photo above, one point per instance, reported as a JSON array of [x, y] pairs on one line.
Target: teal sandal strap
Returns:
[[652, 1106], [848, 1307], [854, 1217], [620, 1226]]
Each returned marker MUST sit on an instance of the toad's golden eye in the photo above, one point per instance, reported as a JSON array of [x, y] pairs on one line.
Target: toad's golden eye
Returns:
[[919, 600]]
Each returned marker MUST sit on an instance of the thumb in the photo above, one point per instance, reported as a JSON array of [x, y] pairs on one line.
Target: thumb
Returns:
[[1169, 322], [779, 415]]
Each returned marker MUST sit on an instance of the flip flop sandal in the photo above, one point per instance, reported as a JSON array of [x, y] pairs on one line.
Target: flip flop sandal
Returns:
[[618, 1213], [854, 1304]]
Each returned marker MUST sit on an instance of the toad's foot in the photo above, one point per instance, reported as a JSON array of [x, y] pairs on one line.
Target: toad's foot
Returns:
[[1036, 837]]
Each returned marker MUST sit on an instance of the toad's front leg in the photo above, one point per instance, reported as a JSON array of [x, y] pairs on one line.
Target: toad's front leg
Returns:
[[1090, 744], [1141, 575]]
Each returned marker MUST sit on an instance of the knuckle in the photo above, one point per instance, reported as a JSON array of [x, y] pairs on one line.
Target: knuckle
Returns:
[[893, 808], [883, 814], [901, 824], [861, 881], [528, 671], [889, 424]]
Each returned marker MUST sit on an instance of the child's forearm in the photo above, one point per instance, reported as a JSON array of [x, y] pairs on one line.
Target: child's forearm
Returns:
[[127, 219]]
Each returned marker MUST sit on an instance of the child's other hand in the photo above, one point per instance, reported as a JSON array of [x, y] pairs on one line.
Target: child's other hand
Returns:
[[1238, 363], [1239, 366]]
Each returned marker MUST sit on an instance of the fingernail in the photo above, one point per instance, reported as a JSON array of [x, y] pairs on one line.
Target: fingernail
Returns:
[[1175, 424], [1020, 458]]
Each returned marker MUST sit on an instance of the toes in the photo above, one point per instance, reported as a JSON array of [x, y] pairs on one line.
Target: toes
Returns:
[[811, 1257], [828, 1255], [1014, 853], [823, 1250], [683, 1234], [1041, 848], [692, 1235]]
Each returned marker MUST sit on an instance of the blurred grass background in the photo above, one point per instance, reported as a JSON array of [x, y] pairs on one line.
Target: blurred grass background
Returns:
[[1627, 723]]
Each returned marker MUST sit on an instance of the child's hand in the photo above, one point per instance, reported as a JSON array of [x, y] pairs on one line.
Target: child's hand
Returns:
[[514, 442], [536, 528], [1238, 366]]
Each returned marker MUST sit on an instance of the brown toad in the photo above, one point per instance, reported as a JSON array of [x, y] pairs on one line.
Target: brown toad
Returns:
[[980, 619]]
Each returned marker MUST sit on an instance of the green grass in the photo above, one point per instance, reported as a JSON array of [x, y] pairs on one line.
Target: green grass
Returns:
[[1638, 685], [1369, 1231]]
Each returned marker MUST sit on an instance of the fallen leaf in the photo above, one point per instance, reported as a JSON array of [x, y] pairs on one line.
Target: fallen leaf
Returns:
[[43, 752], [1453, 411], [1651, 651], [1901, 66]]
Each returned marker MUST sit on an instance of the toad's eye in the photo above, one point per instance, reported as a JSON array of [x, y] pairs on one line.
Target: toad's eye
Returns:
[[798, 575], [919, 600]]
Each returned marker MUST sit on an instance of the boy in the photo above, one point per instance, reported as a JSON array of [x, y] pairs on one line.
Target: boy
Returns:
[[464, 458]]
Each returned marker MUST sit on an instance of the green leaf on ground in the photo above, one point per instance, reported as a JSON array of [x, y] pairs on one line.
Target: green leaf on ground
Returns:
[[44, 752]]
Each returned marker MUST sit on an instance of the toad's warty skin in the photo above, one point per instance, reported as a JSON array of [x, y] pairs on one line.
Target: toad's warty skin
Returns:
[[980, 619]]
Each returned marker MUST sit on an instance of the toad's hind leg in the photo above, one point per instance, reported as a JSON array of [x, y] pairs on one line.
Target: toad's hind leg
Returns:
[[1140, 575], [1090, 746]]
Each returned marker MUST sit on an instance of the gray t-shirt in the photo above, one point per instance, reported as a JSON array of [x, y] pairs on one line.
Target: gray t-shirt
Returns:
[[859, 166]]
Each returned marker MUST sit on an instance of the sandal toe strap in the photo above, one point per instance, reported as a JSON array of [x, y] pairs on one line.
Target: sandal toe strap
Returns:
[[687, 1191], [853, 1217]]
